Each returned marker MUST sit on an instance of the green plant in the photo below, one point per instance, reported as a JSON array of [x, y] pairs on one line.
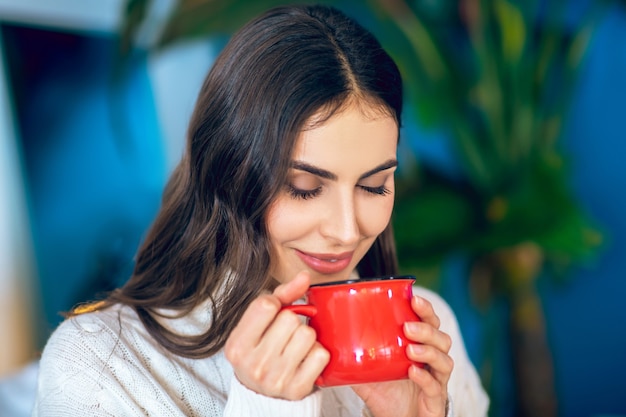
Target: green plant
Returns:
[[497, 77]]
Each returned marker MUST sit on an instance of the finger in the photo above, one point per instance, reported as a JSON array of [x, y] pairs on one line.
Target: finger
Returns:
[[424, 309], [280, 333], [267, 364], [312, 365], [301, 342], [294, 379], [290, 291], [425, 333], [438, 363], [302, 382], [253, 324], [435, 392]]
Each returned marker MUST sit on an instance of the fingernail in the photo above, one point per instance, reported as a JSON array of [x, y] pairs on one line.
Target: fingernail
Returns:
[[410, 327], [416, 349]]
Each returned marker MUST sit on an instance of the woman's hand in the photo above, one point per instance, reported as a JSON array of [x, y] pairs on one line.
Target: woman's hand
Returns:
[[272, 352], [425, 393]]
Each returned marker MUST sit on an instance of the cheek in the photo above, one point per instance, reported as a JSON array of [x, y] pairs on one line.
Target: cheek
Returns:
[[283, 222], [374, 218]]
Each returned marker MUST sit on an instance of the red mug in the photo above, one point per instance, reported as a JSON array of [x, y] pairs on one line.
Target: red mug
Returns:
[[360, 322]]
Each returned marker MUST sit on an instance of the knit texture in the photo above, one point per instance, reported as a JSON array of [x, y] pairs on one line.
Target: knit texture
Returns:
[[105, 363]]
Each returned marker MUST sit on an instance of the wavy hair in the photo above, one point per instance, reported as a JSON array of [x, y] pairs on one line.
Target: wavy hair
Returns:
[[209, 239]]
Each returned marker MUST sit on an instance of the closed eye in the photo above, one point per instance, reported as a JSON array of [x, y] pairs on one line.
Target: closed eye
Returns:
[[382, 190], [300, 194]]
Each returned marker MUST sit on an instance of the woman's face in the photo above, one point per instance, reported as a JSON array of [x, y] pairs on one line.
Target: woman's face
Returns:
[[338, 197]]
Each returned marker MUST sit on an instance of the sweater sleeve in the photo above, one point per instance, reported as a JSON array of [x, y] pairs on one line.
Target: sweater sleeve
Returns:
[[467, 397], [245, 402], [85, 370], [90, 367]]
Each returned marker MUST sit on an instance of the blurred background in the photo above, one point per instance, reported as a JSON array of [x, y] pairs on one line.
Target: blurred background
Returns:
[[510, 189]]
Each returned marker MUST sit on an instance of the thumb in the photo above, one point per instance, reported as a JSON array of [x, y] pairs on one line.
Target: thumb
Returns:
[[290, 291]]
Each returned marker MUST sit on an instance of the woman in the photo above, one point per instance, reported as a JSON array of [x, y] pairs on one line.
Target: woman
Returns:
[[287, 180]]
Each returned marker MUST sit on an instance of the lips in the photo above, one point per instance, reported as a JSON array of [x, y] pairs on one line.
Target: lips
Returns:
[[326, 263]]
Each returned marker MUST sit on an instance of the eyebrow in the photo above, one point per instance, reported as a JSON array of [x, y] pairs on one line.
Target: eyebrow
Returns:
[[322, 173]]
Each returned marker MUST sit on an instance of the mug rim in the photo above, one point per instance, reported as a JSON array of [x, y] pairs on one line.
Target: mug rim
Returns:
[[367, 279]]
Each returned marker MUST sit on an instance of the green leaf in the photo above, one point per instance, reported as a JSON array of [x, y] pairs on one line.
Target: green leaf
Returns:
[[432, 220], [512, 29]]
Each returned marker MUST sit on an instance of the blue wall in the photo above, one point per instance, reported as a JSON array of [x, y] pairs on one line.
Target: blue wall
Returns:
[[587, 316], [93, 160]]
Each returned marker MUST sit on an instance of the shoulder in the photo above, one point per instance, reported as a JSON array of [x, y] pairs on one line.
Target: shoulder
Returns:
[[94, 330], [87, 343], [447, 317], [441, 307], [101, 361], [431, 296], [87, 346]]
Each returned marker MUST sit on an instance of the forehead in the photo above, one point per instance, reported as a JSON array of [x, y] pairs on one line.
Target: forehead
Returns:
[[360, 136], [371, 108]]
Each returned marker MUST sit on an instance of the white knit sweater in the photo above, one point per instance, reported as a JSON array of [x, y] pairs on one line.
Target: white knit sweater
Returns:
[[106, 364]]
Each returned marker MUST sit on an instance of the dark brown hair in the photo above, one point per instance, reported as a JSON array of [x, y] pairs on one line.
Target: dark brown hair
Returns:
[[209, 240]]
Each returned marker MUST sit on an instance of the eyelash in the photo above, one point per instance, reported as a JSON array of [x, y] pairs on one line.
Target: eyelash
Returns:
[[306, 194], [299, 194], [382, 190]]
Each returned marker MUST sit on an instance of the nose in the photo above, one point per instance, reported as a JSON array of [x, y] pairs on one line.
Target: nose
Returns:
[[340, 224]]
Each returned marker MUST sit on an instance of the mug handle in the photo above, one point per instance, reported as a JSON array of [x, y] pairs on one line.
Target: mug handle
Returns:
[[307, 310]]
